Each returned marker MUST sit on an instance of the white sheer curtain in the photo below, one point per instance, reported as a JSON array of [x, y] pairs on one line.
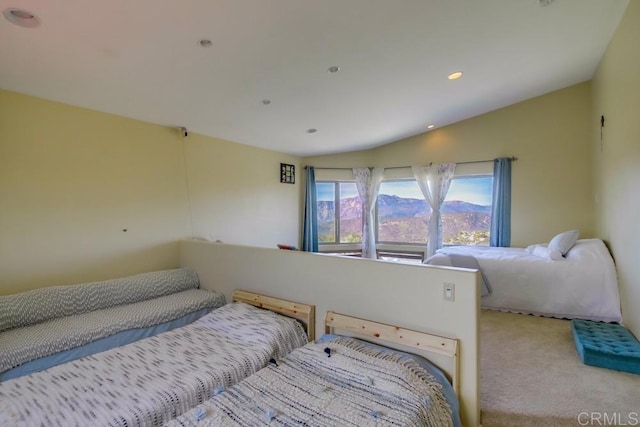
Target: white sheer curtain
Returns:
[[434, 182], [368, 183]]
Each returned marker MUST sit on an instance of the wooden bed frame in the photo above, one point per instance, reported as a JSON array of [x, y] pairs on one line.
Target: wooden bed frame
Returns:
[[305, 313], [397, 294], [374, 332]]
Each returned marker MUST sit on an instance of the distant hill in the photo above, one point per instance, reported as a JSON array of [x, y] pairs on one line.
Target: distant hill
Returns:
[[405, 219], [395, 207]]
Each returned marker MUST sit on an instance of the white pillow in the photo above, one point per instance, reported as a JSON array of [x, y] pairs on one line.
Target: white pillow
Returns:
[[542, 251], [563, 242]]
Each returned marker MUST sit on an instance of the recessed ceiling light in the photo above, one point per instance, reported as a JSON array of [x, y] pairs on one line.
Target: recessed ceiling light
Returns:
[[21, 18], [312, 130], [545, 2], [266, 101], [455, 76], [431, 126], [334, 69], [205, 43]]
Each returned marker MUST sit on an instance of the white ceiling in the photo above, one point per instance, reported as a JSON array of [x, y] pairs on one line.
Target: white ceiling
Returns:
[[141, 59]]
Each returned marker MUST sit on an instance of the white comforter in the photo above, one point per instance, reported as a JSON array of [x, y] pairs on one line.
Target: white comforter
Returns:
[[584, 285], [148, 382]]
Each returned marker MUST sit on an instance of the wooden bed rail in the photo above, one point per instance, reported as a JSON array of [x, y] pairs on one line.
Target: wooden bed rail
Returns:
[[305, 313], [375, 331]]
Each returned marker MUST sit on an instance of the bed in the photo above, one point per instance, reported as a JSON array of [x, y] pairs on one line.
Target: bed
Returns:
[[340, 380], [48, 326], [537, 280], [152, 380]]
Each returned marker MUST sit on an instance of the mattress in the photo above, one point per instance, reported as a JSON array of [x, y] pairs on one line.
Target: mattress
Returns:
[[102, 344], [583, 285], [438, 375], [150, 381], [29, 343], [336, 381]]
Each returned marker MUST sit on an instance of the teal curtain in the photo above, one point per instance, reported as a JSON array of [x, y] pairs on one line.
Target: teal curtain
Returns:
[[310, 220], [501, 206]]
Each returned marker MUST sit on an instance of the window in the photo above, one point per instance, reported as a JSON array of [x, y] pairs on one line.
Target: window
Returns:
[[344, 223], [466, 214], [402, 213]]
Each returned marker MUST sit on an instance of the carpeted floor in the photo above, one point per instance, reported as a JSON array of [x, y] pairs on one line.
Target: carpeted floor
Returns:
[[531, 375]]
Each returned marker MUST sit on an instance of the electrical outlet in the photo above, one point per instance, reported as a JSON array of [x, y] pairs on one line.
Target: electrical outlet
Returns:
[[449, 291]]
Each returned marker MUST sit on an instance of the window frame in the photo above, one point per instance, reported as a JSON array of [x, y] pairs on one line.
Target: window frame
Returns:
[[336, 201], [394, 246], [336, 247], [400, 249], [471, 176]]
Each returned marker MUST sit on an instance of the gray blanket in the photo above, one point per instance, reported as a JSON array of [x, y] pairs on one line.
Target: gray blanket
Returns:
[[53, 302], [21, 345], [462, 261], [356, 386], [150, 381]]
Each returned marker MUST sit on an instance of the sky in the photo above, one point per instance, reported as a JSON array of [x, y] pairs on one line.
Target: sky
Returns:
[[472, 190]]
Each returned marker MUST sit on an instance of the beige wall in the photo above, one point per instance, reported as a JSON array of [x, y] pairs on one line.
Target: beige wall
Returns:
[[550, 135], [72, 179], [617, 158], [354, 159], [237, 196]]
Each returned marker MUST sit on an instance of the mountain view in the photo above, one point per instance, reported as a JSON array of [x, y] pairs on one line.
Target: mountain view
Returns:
[[406, 220]]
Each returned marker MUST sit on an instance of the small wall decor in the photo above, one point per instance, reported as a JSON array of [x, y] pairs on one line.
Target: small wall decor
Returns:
[[287, 173]]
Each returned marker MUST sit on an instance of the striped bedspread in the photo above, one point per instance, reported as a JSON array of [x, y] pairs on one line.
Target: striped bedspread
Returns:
[[153, 380], [21, 345], [346, 385]]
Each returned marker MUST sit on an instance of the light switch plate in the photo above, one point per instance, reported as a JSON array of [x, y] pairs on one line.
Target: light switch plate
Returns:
[[449, 291]]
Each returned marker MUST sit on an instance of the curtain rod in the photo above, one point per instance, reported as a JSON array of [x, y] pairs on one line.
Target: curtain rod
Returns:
[[513, 159], [348, 169]]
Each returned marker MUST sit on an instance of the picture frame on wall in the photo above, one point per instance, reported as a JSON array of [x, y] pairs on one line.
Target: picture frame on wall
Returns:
[[287, 173]]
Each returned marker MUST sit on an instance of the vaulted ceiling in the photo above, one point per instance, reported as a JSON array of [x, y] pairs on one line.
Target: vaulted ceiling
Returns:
[[264, 80]]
